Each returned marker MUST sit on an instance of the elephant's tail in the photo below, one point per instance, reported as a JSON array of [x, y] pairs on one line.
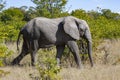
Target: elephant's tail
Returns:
[[18, 39]]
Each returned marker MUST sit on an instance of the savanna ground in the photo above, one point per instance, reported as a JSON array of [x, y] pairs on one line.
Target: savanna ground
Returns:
[[106, 59]]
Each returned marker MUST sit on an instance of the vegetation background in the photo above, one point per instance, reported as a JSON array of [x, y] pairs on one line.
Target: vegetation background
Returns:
[[105, 28]]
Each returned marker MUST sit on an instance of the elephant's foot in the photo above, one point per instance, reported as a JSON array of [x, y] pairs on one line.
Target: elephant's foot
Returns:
[[33, 64], [15, 62], [58, 62], [79, 64], [80, 67]]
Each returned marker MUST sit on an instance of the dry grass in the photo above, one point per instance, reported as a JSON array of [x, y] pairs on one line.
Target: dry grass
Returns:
[[18, 73], [108, 52], [107, 66], [99, 72]]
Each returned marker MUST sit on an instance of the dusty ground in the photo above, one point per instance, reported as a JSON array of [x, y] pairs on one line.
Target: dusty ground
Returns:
[[107, 66]]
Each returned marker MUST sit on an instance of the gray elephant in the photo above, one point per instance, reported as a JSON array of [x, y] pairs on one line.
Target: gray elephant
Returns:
[[42, 32]]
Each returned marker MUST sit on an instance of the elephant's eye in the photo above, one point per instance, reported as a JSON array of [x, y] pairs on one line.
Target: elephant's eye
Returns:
[[81, 29]]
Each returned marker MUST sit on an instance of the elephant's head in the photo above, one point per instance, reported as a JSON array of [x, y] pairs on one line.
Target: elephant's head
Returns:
[[78, 29]]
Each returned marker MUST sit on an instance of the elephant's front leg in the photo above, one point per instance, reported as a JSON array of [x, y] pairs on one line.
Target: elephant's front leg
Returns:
[[60, 50], [75, 51]]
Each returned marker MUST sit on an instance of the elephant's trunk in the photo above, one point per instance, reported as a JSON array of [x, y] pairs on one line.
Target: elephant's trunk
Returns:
[[89, 44]]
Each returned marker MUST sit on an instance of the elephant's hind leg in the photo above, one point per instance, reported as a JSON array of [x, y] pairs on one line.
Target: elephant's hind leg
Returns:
[[17, 60], [75, 51], [23, 53], [34, 49]]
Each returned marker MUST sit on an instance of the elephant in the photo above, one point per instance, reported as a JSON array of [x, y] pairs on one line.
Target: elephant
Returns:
[[43, 32]]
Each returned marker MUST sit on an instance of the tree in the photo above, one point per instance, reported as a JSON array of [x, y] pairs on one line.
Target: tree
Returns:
[[29, 14], [11, 14], [94, 14], [11, 21], [49, 8], [109, 14], [81, 14], [2, 4]]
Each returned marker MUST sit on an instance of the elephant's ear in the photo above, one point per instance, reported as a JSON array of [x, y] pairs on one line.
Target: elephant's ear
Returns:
[[71, 28]]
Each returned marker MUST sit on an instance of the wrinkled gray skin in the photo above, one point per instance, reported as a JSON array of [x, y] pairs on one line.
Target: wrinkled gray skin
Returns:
[[43, 33]]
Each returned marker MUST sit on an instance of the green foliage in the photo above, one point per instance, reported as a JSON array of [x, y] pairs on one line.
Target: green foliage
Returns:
[[11, 23], [104, 28], [49, 8], [2, 4], [4, 53], [103, 24], [109, 15], [49, 71], [47, 65], [81, 14], [10, 32], [12, 14]]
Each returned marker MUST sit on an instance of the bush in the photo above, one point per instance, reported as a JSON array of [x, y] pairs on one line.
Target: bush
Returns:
[[47, 65], [49, 71], [4, 53]]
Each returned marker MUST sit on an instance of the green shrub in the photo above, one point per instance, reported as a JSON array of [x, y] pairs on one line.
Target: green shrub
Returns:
[[49, 71], [4, 53], [47, 65]]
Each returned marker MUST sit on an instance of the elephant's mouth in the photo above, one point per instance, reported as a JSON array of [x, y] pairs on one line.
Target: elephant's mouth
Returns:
[[82, 34]]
